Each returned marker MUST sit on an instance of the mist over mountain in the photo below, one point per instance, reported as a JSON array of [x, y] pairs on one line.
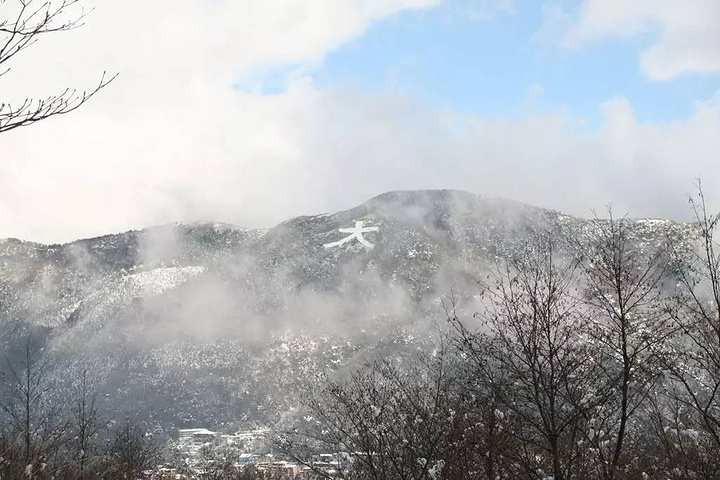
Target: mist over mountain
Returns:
[[211, 324]]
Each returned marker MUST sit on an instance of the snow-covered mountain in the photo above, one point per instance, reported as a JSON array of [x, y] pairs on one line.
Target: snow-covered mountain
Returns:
[[200, 324]]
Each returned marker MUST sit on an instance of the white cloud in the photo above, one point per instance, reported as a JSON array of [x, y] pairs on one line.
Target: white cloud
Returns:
[[311, 150], [171, 140], [166, 134], [553, 28], [643, 169], [688, 37], [480, 10]]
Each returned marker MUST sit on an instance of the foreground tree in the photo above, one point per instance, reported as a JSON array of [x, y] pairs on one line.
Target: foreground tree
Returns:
[[22, 24], [385, 422], [694, 355], [86, 425], [35, 429], [131, 453], [627, 325], [673, 446], [533, 363]]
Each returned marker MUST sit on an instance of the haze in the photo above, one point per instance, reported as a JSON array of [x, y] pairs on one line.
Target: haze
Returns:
[[247, 113]]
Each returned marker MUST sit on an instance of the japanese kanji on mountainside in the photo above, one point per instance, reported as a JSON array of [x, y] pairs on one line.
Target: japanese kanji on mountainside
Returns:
[[356, 233]]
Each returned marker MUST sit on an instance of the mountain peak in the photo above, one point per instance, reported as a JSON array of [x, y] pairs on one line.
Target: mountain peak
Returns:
[[205, 305]]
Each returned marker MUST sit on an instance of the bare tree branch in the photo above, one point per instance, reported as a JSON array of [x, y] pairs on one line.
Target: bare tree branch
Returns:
[[31, 20]]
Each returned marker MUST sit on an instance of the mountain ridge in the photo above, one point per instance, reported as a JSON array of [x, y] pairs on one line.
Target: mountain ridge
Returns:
[[408, 195], [166, 314]]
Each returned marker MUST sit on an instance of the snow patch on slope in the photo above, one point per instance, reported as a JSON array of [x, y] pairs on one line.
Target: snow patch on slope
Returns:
[[159, 280], [123, 289]]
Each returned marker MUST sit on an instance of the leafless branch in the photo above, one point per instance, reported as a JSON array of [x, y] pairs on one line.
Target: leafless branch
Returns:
[[31, 20]]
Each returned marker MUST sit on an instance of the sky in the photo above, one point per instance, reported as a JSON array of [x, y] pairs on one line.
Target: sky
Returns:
[[254, 111]]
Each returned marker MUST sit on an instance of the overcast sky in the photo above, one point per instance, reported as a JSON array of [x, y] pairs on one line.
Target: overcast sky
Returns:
[[254, 111]]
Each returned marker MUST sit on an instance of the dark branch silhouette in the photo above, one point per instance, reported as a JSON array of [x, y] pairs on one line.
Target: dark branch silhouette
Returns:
[[29, 22]]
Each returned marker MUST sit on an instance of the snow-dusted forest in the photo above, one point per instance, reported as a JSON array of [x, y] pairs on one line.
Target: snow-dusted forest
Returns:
[[174, 305]]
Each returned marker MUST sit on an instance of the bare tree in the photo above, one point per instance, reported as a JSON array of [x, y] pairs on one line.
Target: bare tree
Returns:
[[695, 354], [86, 424], [25, 23], [489, 429], [537, 368], [628, 323], [131, 453], [384, 422], [10, 455], [673, 446], [37, 428]]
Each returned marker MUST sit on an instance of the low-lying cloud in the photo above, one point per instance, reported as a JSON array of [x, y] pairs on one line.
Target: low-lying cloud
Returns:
[[172, 139]]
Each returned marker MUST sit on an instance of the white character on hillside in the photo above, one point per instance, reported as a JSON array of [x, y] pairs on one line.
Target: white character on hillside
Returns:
[[355, 232]]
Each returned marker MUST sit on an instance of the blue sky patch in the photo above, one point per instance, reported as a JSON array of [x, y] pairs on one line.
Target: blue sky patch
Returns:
[[498, 64]]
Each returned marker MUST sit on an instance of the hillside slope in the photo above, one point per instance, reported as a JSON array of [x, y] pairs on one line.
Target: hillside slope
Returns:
[[203, 324]]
